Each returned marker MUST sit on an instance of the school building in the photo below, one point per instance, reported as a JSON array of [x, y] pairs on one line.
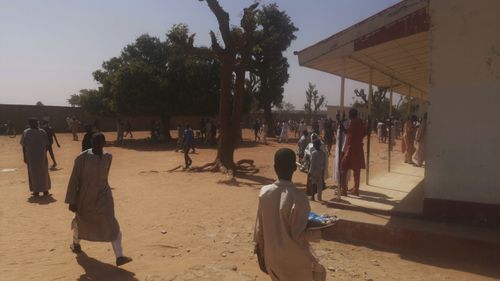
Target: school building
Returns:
[[446, 54]]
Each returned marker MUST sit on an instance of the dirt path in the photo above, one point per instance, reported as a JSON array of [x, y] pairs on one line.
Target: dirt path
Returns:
[[176, 226]]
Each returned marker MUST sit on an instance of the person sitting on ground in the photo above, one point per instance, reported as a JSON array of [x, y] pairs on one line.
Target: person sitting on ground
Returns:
[[89, 197], [303, 142], [281, 234], [315, 176]]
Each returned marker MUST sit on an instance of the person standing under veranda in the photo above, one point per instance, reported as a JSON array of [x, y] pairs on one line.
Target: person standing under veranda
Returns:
[[35, 142], [408, 143], [354, 157], [339, 152], [281, 235], [420, 138], [188, 139], [89, 196], [51, 135], [315, 176]]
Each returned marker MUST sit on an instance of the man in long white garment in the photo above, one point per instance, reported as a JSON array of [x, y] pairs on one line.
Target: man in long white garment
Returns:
[[281, 234], [35, 141], [284, 132], [89, 197]]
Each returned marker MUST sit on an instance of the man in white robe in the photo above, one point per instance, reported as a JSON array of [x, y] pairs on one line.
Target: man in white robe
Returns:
[[336, 170], [281, 234], [315, 177], [35, 142], [284, 132], [89, 197]]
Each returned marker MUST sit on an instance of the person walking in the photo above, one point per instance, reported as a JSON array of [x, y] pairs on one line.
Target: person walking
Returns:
[[281, 234], [89, 196], [188, 139], [35, 142], [51, 135]]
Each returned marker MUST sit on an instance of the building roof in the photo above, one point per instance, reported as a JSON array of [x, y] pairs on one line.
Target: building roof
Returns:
[[394, 43]]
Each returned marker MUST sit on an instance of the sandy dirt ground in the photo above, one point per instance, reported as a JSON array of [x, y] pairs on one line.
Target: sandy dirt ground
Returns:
[[176, 226]]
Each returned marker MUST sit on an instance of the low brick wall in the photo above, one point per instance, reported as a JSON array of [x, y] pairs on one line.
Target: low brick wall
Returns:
[[19, 115]]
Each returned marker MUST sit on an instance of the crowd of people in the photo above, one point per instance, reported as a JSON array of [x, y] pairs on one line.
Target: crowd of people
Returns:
[[89, 195]]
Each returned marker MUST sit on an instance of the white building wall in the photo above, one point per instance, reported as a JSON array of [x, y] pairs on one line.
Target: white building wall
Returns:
[[464, 113]]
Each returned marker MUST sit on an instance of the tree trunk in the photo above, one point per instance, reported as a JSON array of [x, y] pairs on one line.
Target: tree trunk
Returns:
[[225, 150], [165, 125], [271, 127]]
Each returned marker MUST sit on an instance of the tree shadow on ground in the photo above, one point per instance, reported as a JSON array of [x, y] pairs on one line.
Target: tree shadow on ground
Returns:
[[99, 271], [147, 144], [42, 200], [247, 179], [244, 179]]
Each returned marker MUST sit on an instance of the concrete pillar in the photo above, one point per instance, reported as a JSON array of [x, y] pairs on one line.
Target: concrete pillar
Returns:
[[368, 141]]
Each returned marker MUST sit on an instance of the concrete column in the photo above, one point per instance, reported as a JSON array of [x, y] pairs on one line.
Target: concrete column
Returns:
[[389, 141], [368, 141]]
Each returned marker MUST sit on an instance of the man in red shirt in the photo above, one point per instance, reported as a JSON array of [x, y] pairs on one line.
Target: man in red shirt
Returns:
[[354, 157]]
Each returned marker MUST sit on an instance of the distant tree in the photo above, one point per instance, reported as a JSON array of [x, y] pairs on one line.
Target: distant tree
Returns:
[[74, 100], [154, 77], [402, 107], [314, 101], [380, 103], [275, 33], [39, 103], [286, 107]]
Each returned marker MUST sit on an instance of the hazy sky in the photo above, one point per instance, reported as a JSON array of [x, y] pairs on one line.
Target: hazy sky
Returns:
[[49, 48]]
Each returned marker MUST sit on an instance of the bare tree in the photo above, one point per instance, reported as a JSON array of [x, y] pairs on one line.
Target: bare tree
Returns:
[[234, 57], [314, 101]]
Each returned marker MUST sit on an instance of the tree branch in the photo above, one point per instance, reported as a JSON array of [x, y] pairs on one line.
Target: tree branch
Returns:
[[223, 19]]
